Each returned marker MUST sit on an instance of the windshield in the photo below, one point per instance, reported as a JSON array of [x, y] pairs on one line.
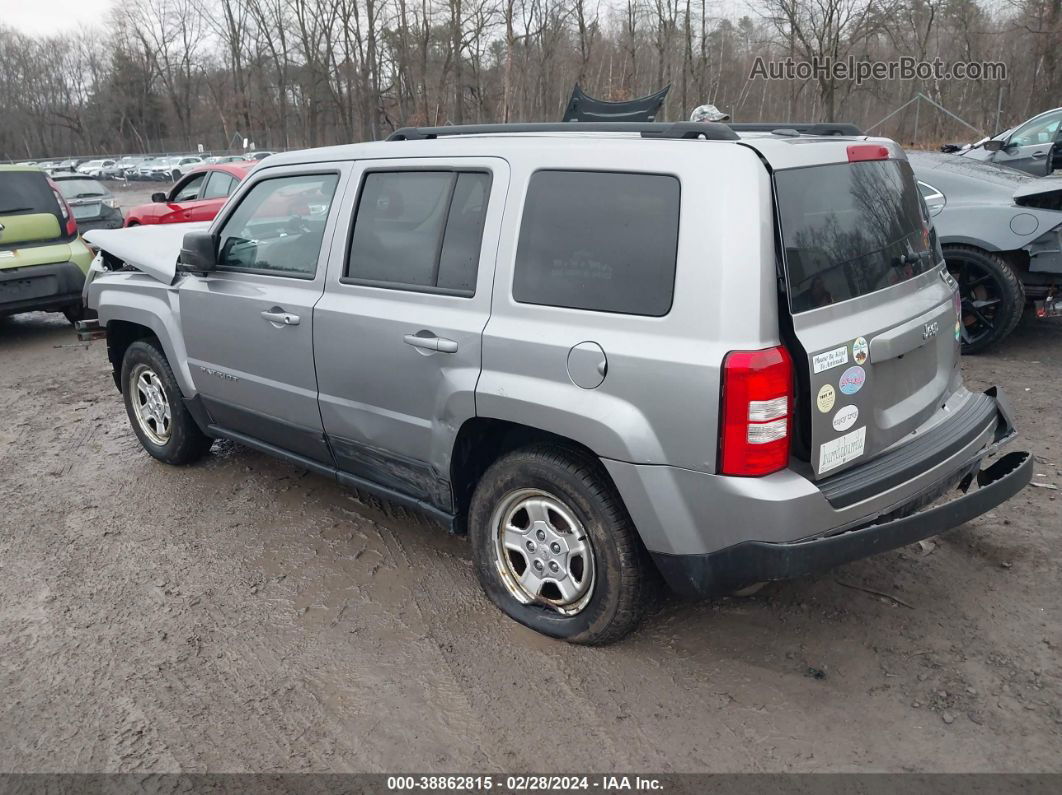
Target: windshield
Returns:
[[850, 229], [80, 188]]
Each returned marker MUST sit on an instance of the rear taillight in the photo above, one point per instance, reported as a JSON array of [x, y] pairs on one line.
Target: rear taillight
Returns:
[[857, 153], [757, 409], [64, 209]]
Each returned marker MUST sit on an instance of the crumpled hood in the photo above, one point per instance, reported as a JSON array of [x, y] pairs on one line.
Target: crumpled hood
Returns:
[[152, 249]]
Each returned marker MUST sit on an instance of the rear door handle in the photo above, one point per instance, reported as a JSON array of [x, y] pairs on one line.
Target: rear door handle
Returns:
[[284, 318], [1039, 154], [430, 343]]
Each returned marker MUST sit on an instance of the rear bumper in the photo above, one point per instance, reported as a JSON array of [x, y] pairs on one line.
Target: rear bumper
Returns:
[[736, 567], [712, 534], [40, 288]]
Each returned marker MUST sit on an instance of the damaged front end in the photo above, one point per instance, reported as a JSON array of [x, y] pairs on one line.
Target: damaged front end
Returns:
[[1043, 200]]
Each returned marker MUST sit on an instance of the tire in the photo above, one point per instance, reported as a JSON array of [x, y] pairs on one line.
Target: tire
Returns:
[[177, 439], [176, 175], [993, 298], [572, 497]]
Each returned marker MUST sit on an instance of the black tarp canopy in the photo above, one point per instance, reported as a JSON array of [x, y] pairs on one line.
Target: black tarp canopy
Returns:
[[583, 107]]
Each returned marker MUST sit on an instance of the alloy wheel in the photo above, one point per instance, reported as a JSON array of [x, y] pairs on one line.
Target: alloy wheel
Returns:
[[150, 404], [543, 552]]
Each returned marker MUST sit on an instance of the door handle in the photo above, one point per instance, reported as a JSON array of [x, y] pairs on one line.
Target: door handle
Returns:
[[430, 343], [284, 318], [1039, 154]]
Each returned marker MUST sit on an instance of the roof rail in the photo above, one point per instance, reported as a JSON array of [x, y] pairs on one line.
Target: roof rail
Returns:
[[804, 128], [712, 131]]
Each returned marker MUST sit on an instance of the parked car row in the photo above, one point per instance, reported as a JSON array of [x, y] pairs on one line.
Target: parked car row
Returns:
[[141, 167]]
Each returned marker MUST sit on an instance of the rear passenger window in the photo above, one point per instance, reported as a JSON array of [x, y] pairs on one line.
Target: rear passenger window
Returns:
[[419, 230], [601, 241], [219, 185]]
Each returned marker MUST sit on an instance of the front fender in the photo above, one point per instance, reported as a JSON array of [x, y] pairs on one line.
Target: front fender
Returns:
[[138, 298]]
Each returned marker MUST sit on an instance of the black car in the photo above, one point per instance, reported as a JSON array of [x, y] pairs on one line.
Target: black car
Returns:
[[94, 206]]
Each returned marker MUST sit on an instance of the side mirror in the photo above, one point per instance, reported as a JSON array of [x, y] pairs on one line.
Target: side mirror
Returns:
[[995, 145], [158, 197], [197, 253]]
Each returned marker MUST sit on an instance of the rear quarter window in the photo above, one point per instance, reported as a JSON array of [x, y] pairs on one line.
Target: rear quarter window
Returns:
[[600, 241]]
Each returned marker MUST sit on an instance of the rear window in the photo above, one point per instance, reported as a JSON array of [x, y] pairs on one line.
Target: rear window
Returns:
[[80, 188], [26, 193], [601, 241], [850, 229]]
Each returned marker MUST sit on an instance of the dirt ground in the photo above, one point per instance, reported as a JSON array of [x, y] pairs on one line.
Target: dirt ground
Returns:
[[245, 615]]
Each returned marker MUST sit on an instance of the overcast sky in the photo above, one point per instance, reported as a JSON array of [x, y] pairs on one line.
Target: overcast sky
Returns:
[[50, 16]]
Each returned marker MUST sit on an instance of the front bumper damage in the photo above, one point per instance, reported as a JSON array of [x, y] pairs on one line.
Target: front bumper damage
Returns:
[[740, 565]]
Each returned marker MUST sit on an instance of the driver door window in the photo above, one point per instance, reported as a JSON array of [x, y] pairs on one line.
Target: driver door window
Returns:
[[278, 226], [1040, 131], [189, 191]]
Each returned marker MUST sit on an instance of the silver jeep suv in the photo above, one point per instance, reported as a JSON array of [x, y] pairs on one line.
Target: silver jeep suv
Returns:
[[601, 351]]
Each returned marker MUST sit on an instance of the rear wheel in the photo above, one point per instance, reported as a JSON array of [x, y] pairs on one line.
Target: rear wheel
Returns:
[[554, 547], [992, 297]]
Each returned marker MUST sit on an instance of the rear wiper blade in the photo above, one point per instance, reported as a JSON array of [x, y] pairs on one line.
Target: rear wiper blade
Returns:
[[15, 210], [87, 195]]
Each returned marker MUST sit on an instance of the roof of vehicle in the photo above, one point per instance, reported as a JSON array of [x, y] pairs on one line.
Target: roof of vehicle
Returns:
[[779, 150], [238, 170]]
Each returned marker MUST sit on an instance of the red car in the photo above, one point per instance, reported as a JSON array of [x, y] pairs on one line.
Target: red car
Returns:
[[196, 197]]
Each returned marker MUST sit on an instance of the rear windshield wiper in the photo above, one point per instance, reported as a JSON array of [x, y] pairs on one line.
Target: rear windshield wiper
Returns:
[[15, 210], [87, 195]]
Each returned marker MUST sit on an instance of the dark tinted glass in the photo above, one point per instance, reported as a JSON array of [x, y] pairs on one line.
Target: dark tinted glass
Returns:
[[399, 227], [419, 229], [459, 259], [600, 241], [851, 229], [26, 192]]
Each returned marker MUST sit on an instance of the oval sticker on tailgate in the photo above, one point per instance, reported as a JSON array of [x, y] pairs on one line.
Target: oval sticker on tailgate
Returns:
[[852, 380], [845, 418]]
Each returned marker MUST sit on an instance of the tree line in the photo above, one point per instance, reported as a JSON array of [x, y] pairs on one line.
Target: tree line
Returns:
[[169, 75]]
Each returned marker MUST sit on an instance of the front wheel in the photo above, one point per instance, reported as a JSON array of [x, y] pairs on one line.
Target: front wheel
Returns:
[[554, 547], [156, 408], [992, 297]]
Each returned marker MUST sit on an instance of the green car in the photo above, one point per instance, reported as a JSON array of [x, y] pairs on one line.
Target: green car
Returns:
[[43, 262]]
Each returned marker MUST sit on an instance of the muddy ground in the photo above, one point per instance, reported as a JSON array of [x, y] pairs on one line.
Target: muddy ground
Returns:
[[245, 615]]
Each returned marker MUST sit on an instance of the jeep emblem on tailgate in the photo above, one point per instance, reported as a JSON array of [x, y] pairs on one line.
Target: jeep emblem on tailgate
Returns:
[[930, 330]]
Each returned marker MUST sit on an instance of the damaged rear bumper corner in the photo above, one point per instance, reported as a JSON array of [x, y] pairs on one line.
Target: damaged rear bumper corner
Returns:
[[735, 567]]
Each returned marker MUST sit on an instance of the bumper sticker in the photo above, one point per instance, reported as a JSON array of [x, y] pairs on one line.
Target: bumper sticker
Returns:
[[840, 451], [860, 350], [852, 380], [845, 418], [830, 359], [825, 400]]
